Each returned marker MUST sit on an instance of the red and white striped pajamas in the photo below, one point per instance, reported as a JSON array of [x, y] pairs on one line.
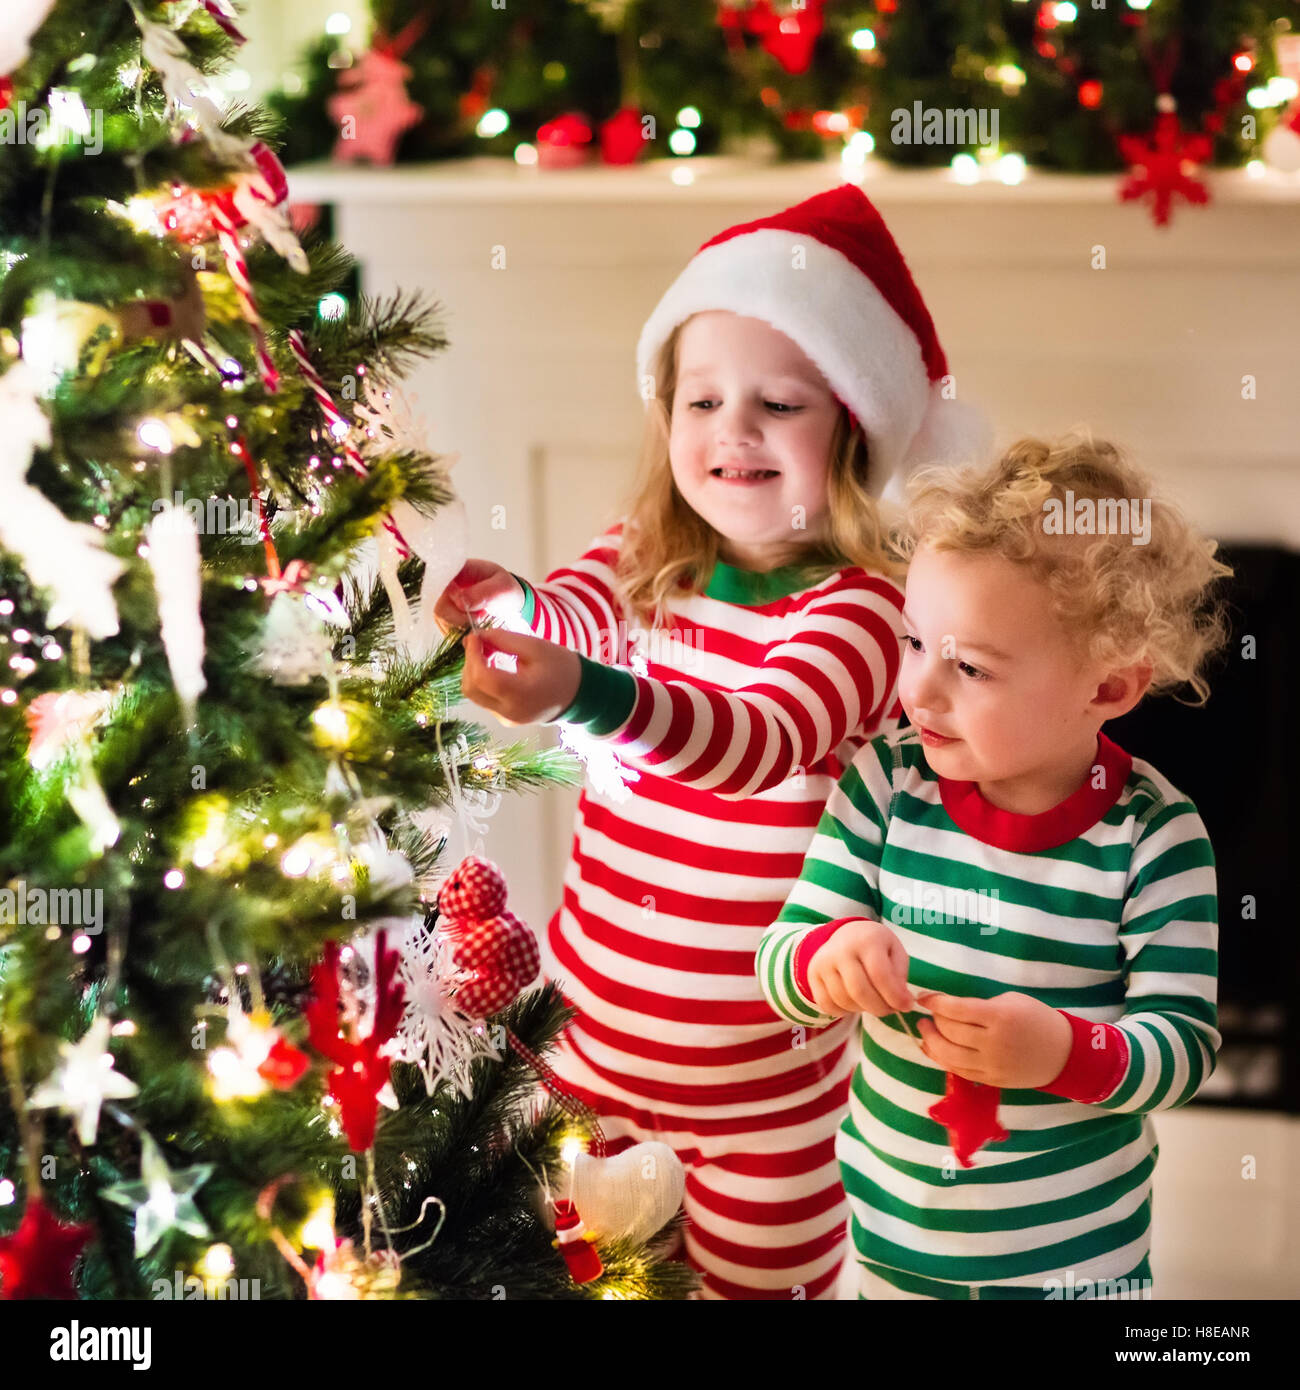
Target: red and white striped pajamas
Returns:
[[739, 722]]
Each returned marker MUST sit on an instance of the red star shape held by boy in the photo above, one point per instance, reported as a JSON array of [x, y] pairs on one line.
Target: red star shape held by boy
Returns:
[[1160, 159], [36, 1261], [969, 1112]]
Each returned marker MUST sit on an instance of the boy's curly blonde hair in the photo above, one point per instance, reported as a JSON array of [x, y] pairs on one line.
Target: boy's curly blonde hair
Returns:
[[1123, 602]]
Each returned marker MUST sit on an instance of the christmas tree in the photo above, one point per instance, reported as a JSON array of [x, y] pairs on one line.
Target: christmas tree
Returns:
[[1060, 85], [255, 1024]]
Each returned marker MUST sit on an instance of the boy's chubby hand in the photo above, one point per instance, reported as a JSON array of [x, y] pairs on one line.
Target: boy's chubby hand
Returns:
[[480, 587], [1012, 1040], [522, 680], [860, 969]]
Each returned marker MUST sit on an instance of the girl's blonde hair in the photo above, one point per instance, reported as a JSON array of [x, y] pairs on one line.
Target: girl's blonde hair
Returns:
[[669, 549], [1123, 603]]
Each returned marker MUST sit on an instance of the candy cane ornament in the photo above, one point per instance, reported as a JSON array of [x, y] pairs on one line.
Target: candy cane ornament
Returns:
[[339, 426], [237, 269]]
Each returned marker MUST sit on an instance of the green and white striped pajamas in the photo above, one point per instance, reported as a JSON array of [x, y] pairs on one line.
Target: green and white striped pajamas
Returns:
[[1103, 907]]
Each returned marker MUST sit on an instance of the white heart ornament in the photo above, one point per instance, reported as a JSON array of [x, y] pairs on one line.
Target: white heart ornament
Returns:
[[632, 1195]]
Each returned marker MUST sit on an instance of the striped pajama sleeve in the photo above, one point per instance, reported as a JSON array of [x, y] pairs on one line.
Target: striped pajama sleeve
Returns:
[[840, 878], [811, 691], [1169, 935], [576, 608]]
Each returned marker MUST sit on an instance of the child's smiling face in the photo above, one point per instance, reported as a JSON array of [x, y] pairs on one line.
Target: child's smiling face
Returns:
[[750, 435], [986, 662]]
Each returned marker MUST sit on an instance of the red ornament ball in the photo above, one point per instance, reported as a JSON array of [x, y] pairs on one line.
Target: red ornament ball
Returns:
[[1090, 94]]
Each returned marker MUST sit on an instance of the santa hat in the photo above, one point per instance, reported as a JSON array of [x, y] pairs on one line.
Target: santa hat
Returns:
[[856, 312]]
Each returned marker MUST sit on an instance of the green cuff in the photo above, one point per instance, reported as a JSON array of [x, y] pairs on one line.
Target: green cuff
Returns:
[[530, 598], [606, 695]]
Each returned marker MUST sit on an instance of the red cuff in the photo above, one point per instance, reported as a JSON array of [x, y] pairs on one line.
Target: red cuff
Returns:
[[808, 946], [1093, 1070]]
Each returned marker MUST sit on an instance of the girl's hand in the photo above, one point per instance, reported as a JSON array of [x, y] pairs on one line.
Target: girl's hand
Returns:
[[1011, 1040], [522, 680], [480, 587], [861, 969]]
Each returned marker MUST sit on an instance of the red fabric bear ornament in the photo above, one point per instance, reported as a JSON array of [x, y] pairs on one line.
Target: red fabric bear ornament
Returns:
[[360, 1068], [496, 952]]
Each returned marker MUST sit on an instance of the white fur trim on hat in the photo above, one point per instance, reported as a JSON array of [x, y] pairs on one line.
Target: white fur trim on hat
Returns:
[[869, 356]]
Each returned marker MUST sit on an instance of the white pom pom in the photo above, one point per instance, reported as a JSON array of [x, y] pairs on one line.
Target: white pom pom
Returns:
[[951, 432]]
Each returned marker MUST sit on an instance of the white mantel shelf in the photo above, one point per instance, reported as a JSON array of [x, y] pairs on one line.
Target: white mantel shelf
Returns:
[[739, 179]]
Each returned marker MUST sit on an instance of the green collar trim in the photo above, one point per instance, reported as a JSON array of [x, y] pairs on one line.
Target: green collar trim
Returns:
[[751, 588]]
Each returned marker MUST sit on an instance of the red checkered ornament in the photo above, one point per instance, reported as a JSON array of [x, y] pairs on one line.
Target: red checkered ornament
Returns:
[[496, 953]]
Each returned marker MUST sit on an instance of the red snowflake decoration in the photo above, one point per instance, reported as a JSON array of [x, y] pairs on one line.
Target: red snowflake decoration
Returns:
[[1160, 165]]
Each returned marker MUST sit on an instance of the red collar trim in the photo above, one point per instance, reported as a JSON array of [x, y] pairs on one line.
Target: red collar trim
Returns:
[[1058, 825]]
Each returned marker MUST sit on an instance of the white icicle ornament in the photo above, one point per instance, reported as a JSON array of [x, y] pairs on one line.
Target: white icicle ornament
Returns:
[[67, 558], [175, 562]]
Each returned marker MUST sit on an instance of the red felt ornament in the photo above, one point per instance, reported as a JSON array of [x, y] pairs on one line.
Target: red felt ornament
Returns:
[[1160, 165], [360, 1073], [574, 1242], [564, 142], [474, 102], [283, 1066], [969, 1112], [495, 951], [622, 137], [791, 38], [36, 1261]]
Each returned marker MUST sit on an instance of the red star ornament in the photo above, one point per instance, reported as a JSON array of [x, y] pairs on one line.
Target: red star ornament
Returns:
[[36, 1261], [1160, 165], [969, 1112]]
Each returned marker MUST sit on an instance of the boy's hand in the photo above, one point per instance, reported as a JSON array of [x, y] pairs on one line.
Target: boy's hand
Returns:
[[861, 969], [1011, 1040], [522, 680], [480, 587]]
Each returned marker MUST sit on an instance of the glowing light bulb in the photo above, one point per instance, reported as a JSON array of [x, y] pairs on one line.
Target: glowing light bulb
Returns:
[[492, 122], [965, 168], [318, 1230], [153, 434], [218, 1262]]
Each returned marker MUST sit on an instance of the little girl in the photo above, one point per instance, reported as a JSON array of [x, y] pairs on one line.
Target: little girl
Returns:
[[1050, 898], [790, 372]]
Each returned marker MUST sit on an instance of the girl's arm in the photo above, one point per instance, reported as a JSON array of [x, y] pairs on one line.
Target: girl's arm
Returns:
[[1164, 1047], [839, 673], [840, 881], [575, 606]]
